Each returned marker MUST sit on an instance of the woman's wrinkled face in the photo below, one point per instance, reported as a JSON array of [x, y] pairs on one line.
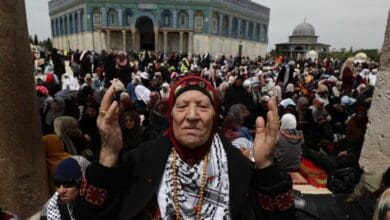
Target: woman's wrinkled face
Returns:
[[193, 117]]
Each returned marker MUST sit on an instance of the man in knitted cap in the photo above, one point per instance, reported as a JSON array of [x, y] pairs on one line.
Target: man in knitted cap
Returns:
[[191, 172]]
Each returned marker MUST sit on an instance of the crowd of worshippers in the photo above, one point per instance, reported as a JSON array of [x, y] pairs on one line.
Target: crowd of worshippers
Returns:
[[322, 104]]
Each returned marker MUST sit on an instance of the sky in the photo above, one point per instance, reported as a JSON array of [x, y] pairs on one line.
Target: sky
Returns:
[[340, 23]]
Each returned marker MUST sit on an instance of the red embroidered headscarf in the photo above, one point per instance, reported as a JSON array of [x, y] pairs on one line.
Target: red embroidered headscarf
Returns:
[[192, 156]]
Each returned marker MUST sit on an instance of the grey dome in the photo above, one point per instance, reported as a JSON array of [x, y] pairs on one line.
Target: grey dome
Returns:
[[304, 29]]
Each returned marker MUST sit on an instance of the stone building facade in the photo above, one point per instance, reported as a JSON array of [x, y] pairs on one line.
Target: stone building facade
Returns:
[[196, 26], [303, 43]]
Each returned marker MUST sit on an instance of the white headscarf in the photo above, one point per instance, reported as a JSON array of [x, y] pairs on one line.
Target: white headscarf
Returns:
[[288, 121]]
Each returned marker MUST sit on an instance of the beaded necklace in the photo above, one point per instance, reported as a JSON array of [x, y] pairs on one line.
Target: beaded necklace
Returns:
[[201, 190]]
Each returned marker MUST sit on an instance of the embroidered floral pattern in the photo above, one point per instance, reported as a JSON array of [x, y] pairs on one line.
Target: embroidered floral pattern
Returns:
[[281, 202]]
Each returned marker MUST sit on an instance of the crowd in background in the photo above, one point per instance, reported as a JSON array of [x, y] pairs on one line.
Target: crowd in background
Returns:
[[323, 104]]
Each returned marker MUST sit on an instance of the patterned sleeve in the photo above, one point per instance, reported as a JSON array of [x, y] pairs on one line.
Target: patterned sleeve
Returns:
[[273, 191], [99, 192]]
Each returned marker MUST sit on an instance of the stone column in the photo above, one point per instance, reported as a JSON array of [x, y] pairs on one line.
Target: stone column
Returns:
[[23, 173], [124, 39], [165, 41], [156, 40], [108, 40], [190, 42], [375, 155], [133, 34], [181, 41], [100, 40], [220, 22]]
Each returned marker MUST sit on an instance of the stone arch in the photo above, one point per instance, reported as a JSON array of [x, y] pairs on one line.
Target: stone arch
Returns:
[[144, 14], [96, 17], [225, 25], [182, 20], [145, 27], [235, 27], [198, 21], [127, 17], [250, 31], [112, 18], [166, 18], [214, 22]]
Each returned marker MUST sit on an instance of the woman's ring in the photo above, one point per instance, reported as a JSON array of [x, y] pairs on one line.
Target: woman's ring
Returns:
[[103, 113]]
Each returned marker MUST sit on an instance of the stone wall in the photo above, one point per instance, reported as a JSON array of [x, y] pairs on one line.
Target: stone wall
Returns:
[[216, 45], [375, 156]]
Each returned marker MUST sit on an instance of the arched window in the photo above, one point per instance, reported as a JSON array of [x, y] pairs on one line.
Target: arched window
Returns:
[[250, 31], [97, 18], [214, 23], [182, 20], [127, 14], [257, 32], [242, 29], [235, 27], [225, 25], [65, 24], [71, 24], [112, 18], [298, 48], [198, 21], [166, 18]]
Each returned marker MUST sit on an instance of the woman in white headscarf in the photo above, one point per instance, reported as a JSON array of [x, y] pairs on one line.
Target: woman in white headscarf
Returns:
[[289, 149]]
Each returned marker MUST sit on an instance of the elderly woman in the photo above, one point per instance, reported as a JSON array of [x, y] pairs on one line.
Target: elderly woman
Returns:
[[191, 172]]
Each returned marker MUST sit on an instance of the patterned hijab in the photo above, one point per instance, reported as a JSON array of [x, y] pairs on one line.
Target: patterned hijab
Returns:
[[191, 156]]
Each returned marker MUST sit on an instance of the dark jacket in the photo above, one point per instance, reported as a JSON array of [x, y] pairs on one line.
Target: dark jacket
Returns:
[[125, 191]]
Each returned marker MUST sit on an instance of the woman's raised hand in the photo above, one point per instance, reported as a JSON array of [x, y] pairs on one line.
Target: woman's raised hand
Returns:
[[109, 129], [266, 136]]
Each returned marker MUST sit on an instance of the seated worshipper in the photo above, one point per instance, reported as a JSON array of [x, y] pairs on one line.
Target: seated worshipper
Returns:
[[157, 122], [70, 83], [191, 172], [74, 141], [356, 129], [132, 130], [55, 110], [89, 127], [322, 119], [55, 153], [239, 112], [289, 149], [67, 179]]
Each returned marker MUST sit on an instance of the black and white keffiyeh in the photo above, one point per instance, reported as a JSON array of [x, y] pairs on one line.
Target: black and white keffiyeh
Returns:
[[216, 195], [55, 210]]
